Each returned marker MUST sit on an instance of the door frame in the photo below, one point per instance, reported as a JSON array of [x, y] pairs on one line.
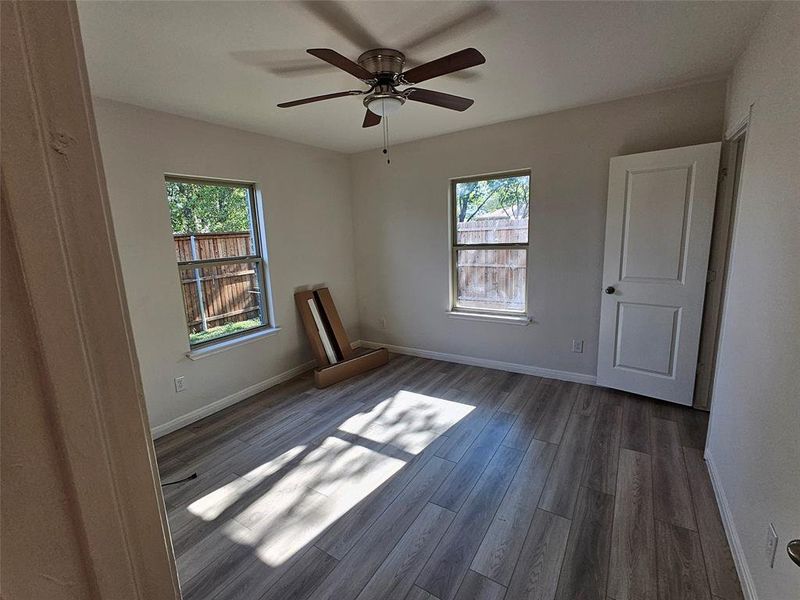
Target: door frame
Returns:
[[734, 148], [56, 200]]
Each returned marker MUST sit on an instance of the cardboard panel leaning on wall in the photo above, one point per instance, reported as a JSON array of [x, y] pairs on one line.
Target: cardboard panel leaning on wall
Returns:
[[306, 194], [402, 244]]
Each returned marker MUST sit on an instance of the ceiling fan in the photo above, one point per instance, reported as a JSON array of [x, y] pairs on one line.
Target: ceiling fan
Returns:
[[382, 70]]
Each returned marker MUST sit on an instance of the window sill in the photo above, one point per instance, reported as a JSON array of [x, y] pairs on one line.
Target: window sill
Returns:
[[523, 320], [224, 345]]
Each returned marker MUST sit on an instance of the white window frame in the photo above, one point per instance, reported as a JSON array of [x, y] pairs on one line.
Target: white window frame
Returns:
[[509, 316], [259, 257]]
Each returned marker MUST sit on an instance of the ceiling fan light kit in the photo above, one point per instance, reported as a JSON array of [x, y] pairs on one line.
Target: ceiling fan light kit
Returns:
[[382, 70], [384, 104]]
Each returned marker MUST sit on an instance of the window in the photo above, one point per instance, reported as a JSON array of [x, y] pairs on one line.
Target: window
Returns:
[[215, 227], [490, 243]]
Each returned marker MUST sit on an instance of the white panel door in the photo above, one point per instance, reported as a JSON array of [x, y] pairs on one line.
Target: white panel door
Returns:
[[658, 232]]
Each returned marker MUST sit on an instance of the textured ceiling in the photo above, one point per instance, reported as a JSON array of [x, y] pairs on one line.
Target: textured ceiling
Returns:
[[232, 62]]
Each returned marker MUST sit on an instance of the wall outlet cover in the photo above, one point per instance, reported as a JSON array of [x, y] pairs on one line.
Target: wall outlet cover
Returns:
[[577, 346], [180, 384]]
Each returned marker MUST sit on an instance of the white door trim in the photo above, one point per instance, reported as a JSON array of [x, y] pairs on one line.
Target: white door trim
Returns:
[[57, 202]]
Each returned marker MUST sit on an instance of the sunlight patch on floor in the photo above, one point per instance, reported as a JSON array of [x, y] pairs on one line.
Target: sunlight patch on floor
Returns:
[[291, 500], [210, 506], [407, 420], [337, 476]]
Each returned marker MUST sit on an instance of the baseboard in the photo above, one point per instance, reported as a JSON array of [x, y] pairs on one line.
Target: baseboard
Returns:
[[484, 362], [209, 409], [739, 559]]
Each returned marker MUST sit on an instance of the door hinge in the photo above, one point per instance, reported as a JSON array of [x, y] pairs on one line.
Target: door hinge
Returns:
[[711, 275], [723, 173]]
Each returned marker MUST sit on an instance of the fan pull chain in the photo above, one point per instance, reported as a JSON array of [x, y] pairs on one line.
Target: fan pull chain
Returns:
[[386, 137]]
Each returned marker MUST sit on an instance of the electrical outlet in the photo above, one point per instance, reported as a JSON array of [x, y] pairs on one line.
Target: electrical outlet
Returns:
[[577, 346], [772, 545], [382, 322], [179, 384]]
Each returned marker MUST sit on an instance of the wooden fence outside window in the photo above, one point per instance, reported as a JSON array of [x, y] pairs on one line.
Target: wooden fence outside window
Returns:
[[230, 291], [492, 279]]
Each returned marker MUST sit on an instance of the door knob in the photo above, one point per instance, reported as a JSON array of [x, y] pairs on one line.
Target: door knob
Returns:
[[610, 289], [793, 548]]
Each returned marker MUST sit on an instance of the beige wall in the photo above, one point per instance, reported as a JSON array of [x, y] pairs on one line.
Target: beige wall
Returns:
[[401, 219], [41, 555], [306, 195], [753, 440]]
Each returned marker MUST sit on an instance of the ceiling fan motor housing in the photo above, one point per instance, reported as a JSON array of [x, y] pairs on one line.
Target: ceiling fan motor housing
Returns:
[[387, 64]]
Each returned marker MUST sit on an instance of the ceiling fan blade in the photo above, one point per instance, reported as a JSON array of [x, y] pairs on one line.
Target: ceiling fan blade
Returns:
[[318, 98], [344, 63], [336, 16], [467, 75], [463, 59], [371, 119], [469, 19], [458, 103]]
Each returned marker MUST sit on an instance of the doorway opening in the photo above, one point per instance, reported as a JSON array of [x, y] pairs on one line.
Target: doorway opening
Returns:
[[718, 264]]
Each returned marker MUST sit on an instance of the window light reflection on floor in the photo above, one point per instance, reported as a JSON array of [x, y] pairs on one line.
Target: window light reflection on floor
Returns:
[[327, 481]]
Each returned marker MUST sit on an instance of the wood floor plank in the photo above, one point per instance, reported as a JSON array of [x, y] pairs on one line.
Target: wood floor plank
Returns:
[[586, 400], [455, 489], [661, 409], [300, 581], [349, 577], [601, 466], [536, 574], [395, 577], [632, 570], [198, 568], [554, 420], [722, 576], [254, 579], [672, 501], [463, 434], [417, 593], [561, 491], [681, 573], [450, 561], [636, 424], [498, 553], [692, 426], [522, 432], [478, 587], [584, 572], [344, 534], [519, 396]]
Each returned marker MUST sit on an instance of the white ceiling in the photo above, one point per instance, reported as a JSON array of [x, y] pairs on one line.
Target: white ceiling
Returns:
[[222, 61]]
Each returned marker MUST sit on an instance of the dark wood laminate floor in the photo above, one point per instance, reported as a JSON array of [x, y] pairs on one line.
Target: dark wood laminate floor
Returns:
[[426, 480]]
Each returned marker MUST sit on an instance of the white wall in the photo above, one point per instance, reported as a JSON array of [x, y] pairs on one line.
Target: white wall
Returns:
[[310, 238], [754, 438], [401, 218]]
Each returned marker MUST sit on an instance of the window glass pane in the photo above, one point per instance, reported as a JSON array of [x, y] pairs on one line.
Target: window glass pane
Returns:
[[209, 220], [493, 211], [491, 279], [221, 300]]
